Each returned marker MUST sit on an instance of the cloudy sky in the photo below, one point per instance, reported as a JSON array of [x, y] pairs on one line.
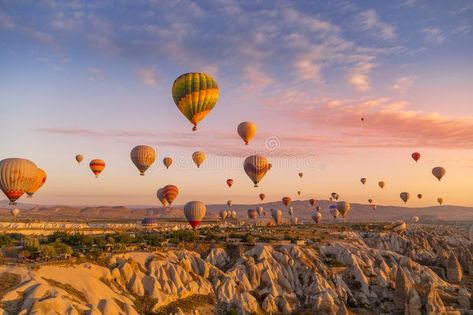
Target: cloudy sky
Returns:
[[94, 77]]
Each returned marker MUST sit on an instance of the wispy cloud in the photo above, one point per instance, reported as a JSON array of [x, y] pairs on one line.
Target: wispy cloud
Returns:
[[387, 123], [256, 78], [403, 83], [94, 73], [6, 21], [370, 21], [358, 76], [433, 35], [147, 76]]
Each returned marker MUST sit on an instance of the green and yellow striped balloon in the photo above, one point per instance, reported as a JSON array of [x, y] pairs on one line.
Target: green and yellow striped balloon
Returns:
[[195, 94]]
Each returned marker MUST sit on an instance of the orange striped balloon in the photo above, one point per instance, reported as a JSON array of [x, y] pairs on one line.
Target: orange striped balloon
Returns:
[[39, 182], [170, 193], [97, 166]]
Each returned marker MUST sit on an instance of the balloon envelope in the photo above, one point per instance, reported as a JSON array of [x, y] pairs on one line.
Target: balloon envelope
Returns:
[[195, 212], [247, 131], [195, 94], [440, 201], [312, 201], [262, 196], [161, 198], [256, 166], [15, 212], [276, 214], [97, 166], [343, 207], [252, 213], [143, 156], [405, 196], [317, 216], [198, 157], [286, 201], [416, 156], [170, 193], [38, 183], [381, 184], [79, 158], [363, 180], [229, 182], [17, 176], [439, 172], [167, 161]]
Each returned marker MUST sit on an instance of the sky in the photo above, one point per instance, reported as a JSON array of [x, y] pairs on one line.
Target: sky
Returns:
[[95, 77]]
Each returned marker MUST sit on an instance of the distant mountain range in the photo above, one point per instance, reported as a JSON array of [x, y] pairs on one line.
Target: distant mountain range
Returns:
[[302, 209]]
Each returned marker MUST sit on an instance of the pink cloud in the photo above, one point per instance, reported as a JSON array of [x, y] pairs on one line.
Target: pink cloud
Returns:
[[387, 123]]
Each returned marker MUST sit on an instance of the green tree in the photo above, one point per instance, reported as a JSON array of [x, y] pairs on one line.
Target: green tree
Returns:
[[48, 251]]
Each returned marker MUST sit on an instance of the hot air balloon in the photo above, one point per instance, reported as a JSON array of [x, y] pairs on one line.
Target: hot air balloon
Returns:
[[170, 193], [298, 192], [229, 203], [223, 214], [301, 174], [416, 156], [290, 211], [247, 131], [15, 212], [415, 219], [362, 119], [419, 196], [262, 196], [286, 201], [370, 200], [317, 208], [161, 198], [405, 196], [277, 216], [381, 184], [334, 212], [38, 183], [312, 202], [143, 156], [373, 207], [252, 214], [97, 166], [79, 158], [195, 212], [270, 166], [295, 220], [256, 167], [317, 216], [195, 94], [343, 207], [363, 180], [16, 177], [167, 161], [234, 214], [334, 195], [198, 157], [439, 172], [330, 199], [229, 182], [260, 211], [271, 224], [440, 201]]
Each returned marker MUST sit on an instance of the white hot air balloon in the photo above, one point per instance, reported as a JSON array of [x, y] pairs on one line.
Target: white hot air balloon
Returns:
[[317, 216], [17, 176], [15, 212], [277, 215]]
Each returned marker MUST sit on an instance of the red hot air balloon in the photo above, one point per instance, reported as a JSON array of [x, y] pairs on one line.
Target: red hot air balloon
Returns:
[[262, 196], [312, 202], [229, 182], [416, 156], [286, 201]]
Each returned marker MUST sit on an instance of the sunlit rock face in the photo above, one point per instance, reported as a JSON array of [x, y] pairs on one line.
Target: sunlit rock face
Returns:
[[379, 272]]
